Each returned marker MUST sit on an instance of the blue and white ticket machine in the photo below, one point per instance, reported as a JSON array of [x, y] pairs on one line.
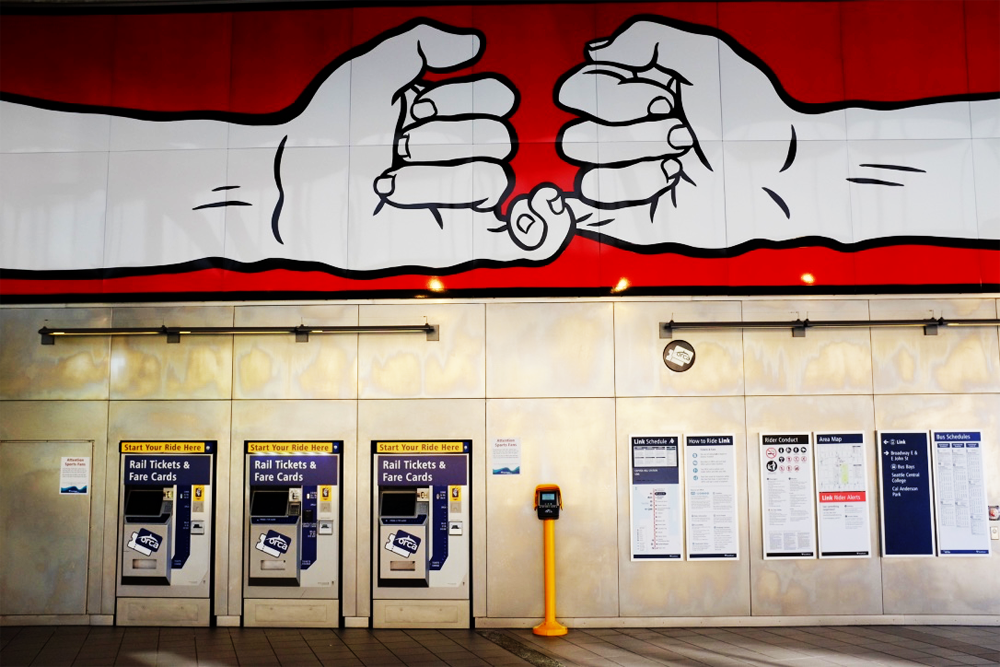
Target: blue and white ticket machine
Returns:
[[165, 509], [421, 534], [291, 554]]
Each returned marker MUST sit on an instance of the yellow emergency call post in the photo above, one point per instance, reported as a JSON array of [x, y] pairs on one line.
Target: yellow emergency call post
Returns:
[[548, 502]]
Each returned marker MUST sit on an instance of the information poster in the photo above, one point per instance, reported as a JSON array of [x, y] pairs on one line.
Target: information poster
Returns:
[[506, 456], [904, 479], [960, 494], [74, 475], [655, 502], [710, 487], [786, 495], [842, 495]]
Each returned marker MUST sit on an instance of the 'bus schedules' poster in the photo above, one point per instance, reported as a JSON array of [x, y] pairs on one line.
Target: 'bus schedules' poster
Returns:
[[960, 494]]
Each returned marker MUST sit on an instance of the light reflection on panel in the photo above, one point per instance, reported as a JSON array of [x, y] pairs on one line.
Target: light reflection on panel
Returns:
[[639, 367], [826, 361], [810, 587], [945, 585], [147, 367], [277, 367], [73, 368], [957, 360], [684, 588], [549, 350], [410, 366]]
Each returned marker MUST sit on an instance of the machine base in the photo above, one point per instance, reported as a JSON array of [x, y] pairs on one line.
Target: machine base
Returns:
[[440, 614], [277, 613], [185, 612]]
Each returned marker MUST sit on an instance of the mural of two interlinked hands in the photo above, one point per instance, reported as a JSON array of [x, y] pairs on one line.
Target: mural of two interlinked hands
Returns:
[[416, 176]]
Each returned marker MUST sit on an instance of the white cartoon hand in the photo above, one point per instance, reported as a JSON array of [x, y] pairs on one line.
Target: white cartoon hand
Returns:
[[430, 160], [645, 169]]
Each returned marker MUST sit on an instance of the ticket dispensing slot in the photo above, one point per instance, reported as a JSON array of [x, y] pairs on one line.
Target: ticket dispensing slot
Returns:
[[147, 527], [402, 518], [275, 515]]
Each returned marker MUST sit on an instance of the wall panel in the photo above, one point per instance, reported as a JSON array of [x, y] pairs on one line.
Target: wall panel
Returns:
[[826, 361], [945, 585], [72, 369], [639, 367], [684, 588], [805, 587], [277, 367], [148, 367], [962, 361], [549, 350], [409, 366], [569, 442]]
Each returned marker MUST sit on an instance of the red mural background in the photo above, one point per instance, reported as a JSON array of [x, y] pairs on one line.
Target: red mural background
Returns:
[[260, 61]]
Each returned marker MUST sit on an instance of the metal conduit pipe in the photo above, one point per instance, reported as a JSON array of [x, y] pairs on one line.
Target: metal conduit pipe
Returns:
[[799, 327], [302, 332]]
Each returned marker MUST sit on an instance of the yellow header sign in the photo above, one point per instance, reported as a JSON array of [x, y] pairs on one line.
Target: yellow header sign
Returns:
[[419, 447], [289, 447], [163, 447]]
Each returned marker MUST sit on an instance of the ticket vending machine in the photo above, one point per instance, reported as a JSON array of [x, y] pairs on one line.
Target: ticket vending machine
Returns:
[[165, 531], [421, 534], [292, 519]]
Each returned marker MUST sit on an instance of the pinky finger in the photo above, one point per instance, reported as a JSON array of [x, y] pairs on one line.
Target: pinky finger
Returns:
[[638, 183], [539, 216]]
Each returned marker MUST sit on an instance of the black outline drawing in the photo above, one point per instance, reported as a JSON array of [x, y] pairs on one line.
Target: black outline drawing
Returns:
[[526, 217], [672, 86]]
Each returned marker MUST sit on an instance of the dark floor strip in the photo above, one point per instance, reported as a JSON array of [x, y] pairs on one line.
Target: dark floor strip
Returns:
[[507, 642]]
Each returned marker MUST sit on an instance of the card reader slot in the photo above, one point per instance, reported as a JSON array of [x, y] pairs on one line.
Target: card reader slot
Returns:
[[402, 566], [273, 565]]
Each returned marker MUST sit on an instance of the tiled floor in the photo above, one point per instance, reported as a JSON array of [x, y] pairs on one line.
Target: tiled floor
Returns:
[[770, 647]]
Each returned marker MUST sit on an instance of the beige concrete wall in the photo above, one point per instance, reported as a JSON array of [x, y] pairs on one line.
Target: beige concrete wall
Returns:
[[572, 379]]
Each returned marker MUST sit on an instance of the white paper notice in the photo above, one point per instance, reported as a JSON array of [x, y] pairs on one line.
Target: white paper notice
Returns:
[[786, 495], [506, 456], [842, 492], [655, 502], [960, 494], [710, 479], [74, 475]]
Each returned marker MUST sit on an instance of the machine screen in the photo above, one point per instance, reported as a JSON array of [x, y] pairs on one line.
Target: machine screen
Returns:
[[548, 497], [269, 503], [399, 503], [144, 502]]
